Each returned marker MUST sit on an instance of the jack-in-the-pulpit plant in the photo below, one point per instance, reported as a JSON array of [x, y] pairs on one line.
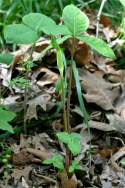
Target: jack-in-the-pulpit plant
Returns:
[[74, 27]]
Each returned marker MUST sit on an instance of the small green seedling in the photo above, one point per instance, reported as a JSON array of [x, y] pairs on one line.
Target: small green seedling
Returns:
[[28, 64], [72, 140], [5, 158], [19, 82]]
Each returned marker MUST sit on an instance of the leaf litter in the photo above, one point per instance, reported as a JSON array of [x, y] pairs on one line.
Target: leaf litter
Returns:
[[103, 90]]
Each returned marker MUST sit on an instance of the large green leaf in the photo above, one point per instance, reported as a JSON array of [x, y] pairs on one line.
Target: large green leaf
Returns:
[[60, 30], [122, 2], [6, 58], [39, 22], [99, 45], [20, 34], [75, 20], [5, 117]]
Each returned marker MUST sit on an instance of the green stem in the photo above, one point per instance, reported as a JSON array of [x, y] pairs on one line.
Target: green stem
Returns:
[[69, 99], [64, 107]]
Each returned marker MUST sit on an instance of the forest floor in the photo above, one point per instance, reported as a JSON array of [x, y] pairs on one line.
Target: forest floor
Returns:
[[103, 87]]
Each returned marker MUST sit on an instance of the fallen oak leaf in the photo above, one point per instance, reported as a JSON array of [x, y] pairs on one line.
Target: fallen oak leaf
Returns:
[[40, 100], [97, 90]]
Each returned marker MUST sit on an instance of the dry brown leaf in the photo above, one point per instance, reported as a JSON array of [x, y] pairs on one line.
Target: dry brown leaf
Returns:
[[40, 141], [40, 100], [105, 21], [96, 125], [98, 90], [120, 104], [22, 158], [17, 173], [43, 76], [114, 158], [41, 154], [83, 54], [117, 122], [13, 103]]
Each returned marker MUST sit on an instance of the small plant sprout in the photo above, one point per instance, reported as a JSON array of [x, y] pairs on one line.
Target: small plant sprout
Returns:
[[19, 82]]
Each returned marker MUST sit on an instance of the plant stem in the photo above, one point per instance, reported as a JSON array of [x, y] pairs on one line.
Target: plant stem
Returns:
[[25, 109], [0, 89], [98, 17], [70, 86], [68, 157], [69, 98], [64, 107]]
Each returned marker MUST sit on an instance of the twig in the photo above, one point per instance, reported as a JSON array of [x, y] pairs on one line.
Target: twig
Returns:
[[98, 17], [26, 92]]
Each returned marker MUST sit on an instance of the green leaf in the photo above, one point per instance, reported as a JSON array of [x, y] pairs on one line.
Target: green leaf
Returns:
[[48, 161], [75, 20], [72, 140], [79, 92], [59, 56], [71, 169], [74, 166], [56, 160], [5, 117], [75, 137], [39, 22], [60, 30], [123, 3], [58, 85], [99, 45], [20, 34], [6, 58], [74, 148], [74, 143], [64, 137]]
